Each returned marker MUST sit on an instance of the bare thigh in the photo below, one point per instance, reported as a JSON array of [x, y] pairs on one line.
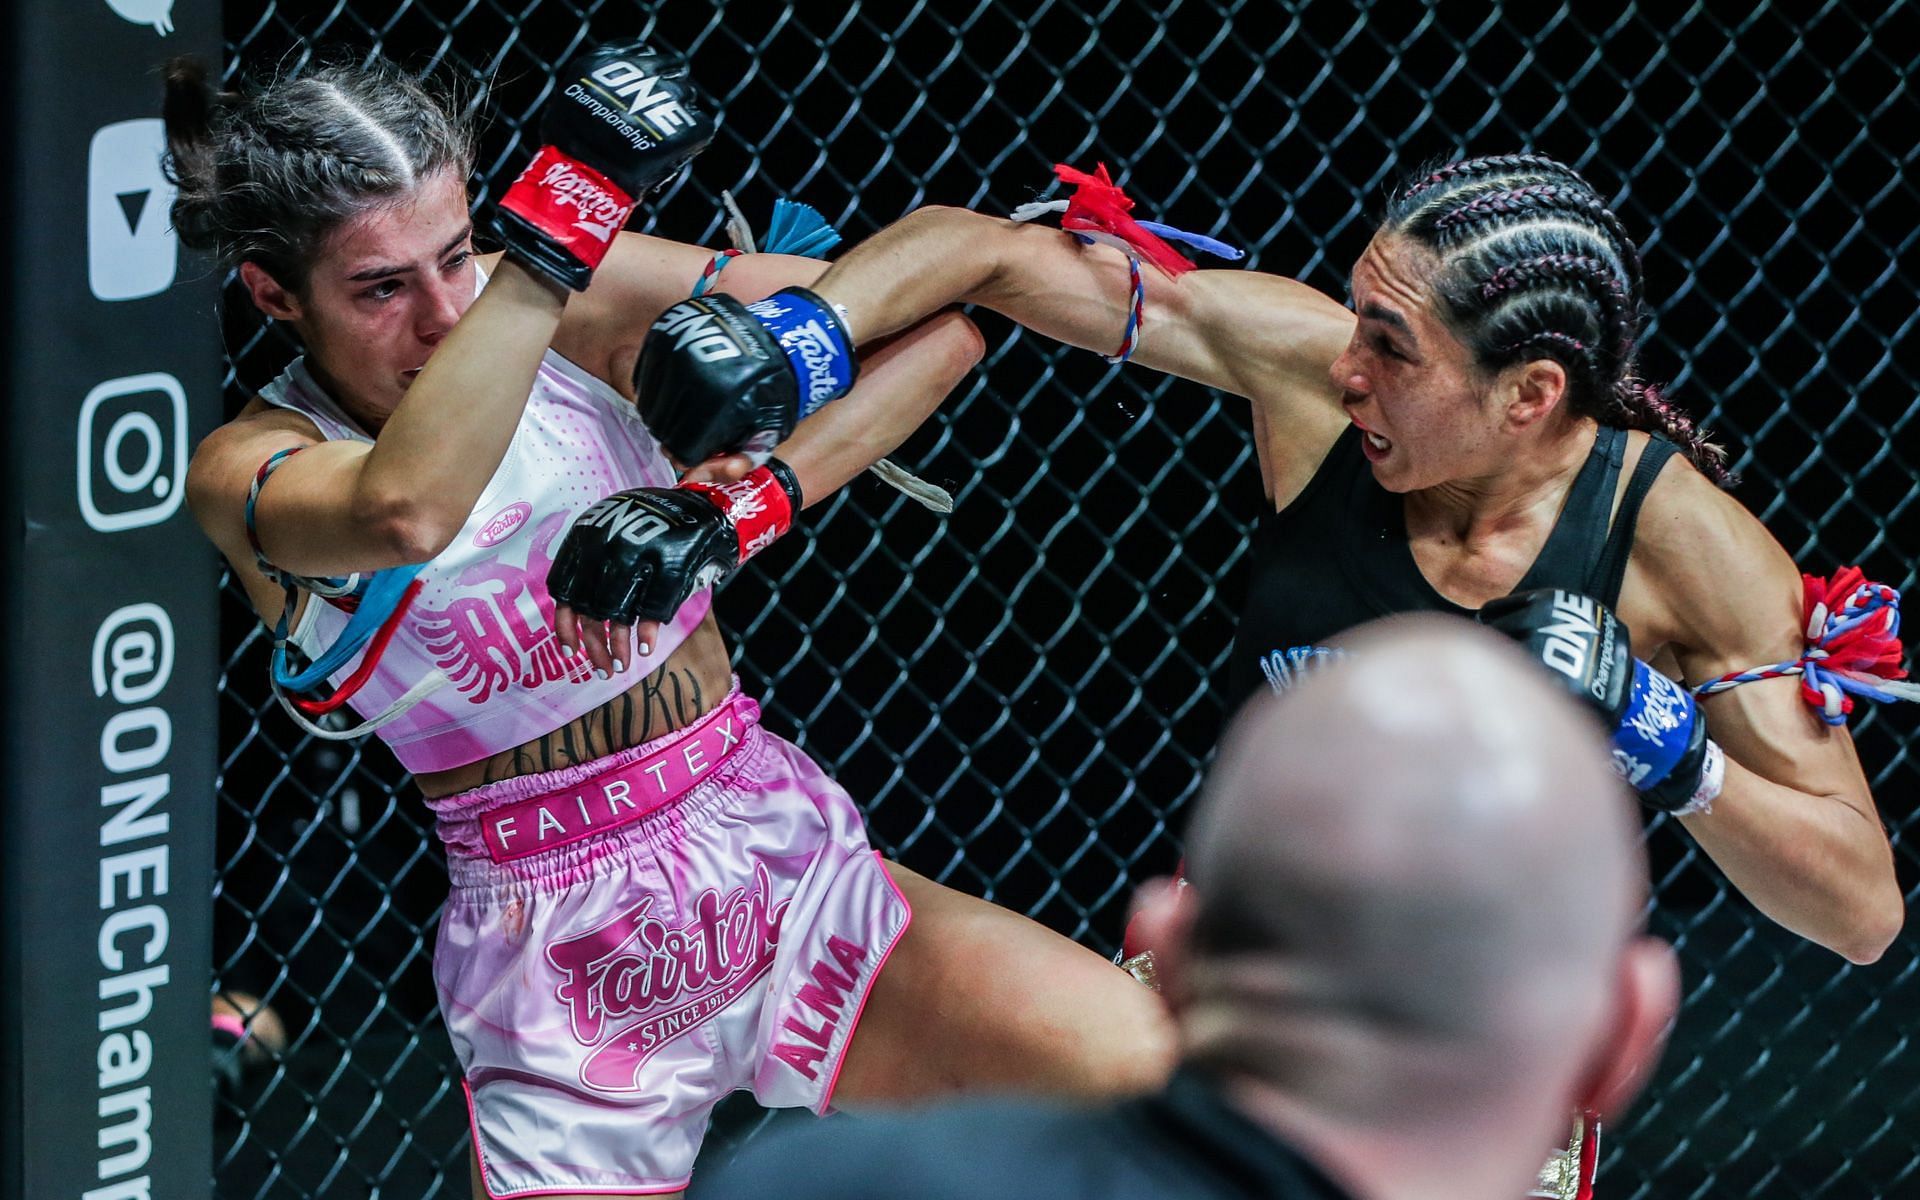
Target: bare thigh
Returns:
[[977, 998], [480, 1193]]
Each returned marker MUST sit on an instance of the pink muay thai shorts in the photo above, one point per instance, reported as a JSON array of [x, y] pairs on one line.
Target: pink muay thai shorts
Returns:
[[630, 940]]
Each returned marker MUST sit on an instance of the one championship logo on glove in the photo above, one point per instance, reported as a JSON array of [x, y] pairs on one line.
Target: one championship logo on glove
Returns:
[[1568, 644], [632, 521], [698, 330], [643, 95], [601, 212]]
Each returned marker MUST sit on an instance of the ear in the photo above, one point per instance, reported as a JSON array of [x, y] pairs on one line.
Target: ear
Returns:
[[1534, 389], [268, 296], [1162, 921], [1646, 1001]]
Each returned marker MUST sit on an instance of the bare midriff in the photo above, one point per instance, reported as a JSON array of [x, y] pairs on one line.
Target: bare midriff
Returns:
[[672, 696]]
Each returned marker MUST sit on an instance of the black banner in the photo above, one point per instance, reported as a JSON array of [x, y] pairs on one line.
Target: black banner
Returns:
[[114, 374]]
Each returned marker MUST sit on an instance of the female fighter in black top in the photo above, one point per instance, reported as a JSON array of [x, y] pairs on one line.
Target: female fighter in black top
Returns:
[[1471, 428]]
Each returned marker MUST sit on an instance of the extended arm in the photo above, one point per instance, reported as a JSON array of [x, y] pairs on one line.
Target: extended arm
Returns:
[[1246, 332], [722, 376]]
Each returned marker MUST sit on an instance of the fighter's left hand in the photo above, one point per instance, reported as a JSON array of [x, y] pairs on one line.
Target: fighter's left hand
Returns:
[[632, 559]]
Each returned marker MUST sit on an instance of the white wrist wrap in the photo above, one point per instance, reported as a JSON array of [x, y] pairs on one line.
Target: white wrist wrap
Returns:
[[1713, 776]]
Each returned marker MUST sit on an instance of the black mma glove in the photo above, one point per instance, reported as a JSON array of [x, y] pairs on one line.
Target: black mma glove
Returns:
[[638, 555], [623, 120], [719, 376], [1660, 742]]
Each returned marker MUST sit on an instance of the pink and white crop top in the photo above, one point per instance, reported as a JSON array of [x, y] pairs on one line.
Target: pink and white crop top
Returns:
[[483, 616]]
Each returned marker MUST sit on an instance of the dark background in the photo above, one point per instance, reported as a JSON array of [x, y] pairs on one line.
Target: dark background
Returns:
[[1026, 693]]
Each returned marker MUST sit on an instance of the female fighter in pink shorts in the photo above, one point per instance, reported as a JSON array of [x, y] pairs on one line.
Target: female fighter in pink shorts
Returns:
[[655, 900]]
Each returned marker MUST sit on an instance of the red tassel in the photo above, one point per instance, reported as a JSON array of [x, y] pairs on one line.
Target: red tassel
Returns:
[[1871, 647], [1097, 206]]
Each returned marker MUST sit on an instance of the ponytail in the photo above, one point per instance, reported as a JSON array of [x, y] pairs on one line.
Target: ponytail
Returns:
[[190, 110], [1640, 406]]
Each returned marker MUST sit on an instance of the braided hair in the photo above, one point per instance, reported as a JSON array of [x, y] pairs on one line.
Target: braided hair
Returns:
[[1534, 265], [268, 176]]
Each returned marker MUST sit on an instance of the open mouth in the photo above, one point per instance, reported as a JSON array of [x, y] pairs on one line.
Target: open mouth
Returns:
[[1375, 446]]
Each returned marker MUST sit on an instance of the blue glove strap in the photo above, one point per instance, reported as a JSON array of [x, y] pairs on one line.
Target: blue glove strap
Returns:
[[822, 361], [1654, 731]]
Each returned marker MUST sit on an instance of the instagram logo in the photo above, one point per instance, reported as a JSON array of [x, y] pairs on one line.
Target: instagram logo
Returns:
[[132, 449]]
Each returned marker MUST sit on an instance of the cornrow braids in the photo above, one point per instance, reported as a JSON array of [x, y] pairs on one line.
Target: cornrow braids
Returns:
[[1479, 168], [1543, 199], [1533, 264], [267, 175]]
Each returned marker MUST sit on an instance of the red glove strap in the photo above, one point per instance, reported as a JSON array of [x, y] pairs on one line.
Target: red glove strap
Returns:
[[758, 506], [570, 202]]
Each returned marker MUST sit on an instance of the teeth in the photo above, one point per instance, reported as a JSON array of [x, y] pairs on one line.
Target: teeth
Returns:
[[1376, 441]]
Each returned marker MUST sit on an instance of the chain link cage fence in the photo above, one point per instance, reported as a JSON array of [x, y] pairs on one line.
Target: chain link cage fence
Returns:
[[1025, 695]]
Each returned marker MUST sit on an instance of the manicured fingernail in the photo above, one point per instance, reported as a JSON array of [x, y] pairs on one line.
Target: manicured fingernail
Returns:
[[645, 649], [602, 673], [619, 665]]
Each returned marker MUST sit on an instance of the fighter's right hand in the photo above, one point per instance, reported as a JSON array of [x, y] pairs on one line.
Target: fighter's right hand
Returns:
[[1660, 742], [623, 120], [716, 376]]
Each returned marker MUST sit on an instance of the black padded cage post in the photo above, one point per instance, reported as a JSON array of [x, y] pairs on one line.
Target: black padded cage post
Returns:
[[106, 826]]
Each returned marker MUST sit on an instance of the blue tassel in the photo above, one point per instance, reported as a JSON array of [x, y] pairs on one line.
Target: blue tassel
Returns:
[[798, 229], [1198, 241], [377, 602]]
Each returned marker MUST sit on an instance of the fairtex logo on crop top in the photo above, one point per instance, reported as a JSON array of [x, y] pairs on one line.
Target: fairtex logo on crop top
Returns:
[[502, 524], [674, 979]]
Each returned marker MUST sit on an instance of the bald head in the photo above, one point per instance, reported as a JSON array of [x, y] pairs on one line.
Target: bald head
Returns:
[[1415, 869]]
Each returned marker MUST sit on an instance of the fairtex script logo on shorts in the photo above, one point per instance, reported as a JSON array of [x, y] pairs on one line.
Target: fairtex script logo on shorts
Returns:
[[502, 524], [673, 979]]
